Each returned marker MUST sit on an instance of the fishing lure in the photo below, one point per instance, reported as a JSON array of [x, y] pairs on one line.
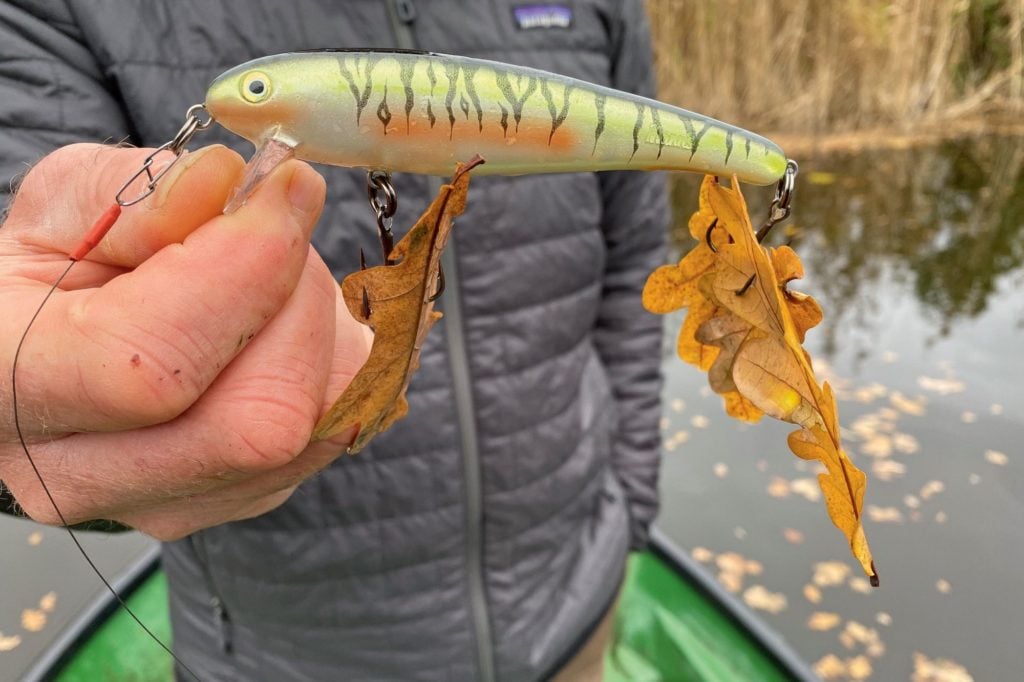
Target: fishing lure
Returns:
[[421, 112]]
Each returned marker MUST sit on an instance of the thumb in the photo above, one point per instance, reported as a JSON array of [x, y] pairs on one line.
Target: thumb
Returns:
[[69, 189]]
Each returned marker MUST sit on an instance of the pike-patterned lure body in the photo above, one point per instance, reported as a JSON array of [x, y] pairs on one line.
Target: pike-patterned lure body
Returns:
[[421, 112]]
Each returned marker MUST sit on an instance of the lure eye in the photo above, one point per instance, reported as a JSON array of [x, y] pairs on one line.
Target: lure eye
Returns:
[[255, 87]]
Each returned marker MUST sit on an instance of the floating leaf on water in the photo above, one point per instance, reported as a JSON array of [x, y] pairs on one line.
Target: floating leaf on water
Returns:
[[911, 501], [974, 479], [721, 469], [859, 584], [793, 536], [740, 533], [931, 489], [888, 469], [884, 514], [943, 586], [968, 417], [759, 597], [941, 386], [859, 668], [830, 573], [48, 602], [778, 487], [938, 670], [870, 393], [9, 643], [996, 457], [940, 517], [812, 594], [996, 409], [702, 554], [889, 357], [33, 620], [699, 421], [905, 443], [35, 538], [883, 618], [677, 405], [732, 582], [855, 634], [823, 621], [807, 488], [879, 445], [911, 406], [830, 667]]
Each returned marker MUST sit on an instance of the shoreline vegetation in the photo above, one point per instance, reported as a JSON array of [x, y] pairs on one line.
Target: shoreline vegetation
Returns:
[[839, 77]]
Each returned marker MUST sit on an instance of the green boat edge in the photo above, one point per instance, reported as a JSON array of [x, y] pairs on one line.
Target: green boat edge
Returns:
[[674, 623]]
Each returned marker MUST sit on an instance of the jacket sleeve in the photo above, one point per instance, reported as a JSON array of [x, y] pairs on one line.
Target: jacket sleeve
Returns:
[[52, 93], [628, 338], [52, 89]]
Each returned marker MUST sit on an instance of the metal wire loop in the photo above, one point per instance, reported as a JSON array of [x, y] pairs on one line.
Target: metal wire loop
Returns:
[[176, 145], [782, 204], [381, 193]]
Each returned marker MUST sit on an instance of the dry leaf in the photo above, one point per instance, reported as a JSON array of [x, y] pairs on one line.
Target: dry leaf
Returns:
[[941, 386], [997, 458], [35, 539], [829, 573], [672, 287], [401, 314], [831, 667], [49, 602], [758, 597], [793, 536], [702, 554], [884, 514], [33, 620], [823, 621], [746, 327], [8, 643], [812, 594], [938, 670]]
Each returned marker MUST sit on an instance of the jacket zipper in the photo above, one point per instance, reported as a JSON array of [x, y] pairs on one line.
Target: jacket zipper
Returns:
[[402, 14]]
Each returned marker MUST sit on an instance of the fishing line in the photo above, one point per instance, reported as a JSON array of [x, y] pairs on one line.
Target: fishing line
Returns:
[[46, 488], [92, 238]]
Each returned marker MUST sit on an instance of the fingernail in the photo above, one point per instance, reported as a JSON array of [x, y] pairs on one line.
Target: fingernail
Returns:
[[306, 189], [166, 184]]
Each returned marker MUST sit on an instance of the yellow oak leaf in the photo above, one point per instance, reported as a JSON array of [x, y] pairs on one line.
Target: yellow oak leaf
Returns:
[[741, 307]]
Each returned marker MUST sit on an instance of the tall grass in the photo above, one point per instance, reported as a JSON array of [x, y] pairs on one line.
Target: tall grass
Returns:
[[811, 66]]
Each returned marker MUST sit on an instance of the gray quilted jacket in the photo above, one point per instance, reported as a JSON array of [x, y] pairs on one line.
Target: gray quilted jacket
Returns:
[[484, 535]]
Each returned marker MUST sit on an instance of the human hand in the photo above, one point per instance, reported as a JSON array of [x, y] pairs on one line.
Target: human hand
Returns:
[[173, 381]]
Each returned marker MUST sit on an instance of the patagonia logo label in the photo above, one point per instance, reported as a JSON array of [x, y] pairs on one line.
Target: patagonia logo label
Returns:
[[542, 16]]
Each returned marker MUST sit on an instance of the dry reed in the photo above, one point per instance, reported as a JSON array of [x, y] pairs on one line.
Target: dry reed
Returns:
[[810, 67]]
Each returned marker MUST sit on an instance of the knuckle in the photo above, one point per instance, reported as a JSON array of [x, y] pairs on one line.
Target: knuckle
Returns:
[[271, 437]]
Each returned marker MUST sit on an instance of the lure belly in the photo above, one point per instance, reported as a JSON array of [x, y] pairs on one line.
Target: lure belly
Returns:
[[423, 112]]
